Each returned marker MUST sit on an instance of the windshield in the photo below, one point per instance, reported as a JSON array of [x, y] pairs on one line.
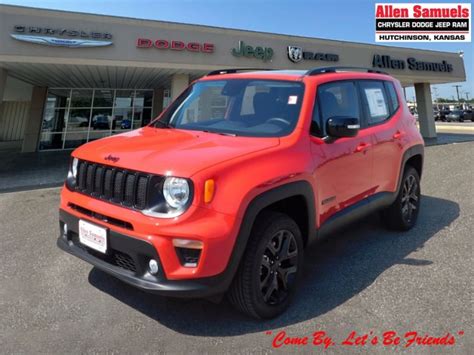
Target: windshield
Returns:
[[243, 107]]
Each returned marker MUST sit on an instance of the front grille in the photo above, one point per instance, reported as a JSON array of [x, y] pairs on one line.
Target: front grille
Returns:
[[124, 187]]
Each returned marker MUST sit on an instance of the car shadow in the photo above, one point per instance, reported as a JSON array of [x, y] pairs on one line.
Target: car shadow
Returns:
[[336, 269]]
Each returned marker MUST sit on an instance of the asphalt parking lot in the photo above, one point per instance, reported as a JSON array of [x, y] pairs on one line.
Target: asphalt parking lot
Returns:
[[363, 279]]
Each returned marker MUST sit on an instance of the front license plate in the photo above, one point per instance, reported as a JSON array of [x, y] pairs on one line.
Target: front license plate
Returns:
[[93, 236]]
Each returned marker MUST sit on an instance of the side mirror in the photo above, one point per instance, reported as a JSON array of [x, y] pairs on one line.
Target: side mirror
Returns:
[[338, 127]]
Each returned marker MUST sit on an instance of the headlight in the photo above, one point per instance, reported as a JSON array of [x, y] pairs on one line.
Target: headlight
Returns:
[[74, 164], [176, 192]]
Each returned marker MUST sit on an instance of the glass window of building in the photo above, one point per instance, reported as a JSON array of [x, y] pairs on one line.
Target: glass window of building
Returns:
[[81, 98], [103, 98], [76, 116]]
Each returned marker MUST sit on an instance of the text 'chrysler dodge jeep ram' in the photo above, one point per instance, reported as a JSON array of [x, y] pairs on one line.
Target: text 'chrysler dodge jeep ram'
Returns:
[[224, 191]]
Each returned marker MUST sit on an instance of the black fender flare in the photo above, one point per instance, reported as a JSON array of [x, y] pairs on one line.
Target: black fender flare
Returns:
[[259, 203], [417, 149]]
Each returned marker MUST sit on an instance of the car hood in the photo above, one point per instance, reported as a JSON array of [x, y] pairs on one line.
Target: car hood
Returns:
[[170, 151]]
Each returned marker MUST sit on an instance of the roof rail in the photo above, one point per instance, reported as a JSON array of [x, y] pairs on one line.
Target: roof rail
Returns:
[[324, 70], [234, 70]]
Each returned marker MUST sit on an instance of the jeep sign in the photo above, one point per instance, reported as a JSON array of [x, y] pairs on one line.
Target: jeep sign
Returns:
[[244, 50]]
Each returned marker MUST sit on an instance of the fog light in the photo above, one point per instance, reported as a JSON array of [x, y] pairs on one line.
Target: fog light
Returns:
[[65, 230], [189, 251], [153, 265], [188, 257]]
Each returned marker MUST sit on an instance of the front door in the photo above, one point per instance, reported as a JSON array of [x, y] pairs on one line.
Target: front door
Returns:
[[343, 167]]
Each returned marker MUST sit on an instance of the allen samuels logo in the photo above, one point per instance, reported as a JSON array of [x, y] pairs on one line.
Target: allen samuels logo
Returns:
[[423, 22]]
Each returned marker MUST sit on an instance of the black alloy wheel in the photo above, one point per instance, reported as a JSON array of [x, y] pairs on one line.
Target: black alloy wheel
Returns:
[[279, 267], [402, 214], [410, 197], [270, 268]]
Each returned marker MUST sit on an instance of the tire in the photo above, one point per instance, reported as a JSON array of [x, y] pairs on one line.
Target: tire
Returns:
[[403, 213], [262, 267]]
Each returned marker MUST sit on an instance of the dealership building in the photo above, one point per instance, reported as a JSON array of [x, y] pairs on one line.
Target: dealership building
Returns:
[[68, 78]]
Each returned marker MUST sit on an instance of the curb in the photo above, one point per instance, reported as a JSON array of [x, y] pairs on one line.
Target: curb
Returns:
[[455, 128], [451, 128]]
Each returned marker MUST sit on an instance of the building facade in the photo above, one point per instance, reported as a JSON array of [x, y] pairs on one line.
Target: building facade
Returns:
[[68, 78]]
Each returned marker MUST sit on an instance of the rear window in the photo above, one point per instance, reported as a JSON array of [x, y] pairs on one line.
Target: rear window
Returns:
[[376, 101], [392, 93]]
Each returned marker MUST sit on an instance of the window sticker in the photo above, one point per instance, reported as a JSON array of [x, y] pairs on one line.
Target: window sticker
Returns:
[[292, 99], [376, 102]]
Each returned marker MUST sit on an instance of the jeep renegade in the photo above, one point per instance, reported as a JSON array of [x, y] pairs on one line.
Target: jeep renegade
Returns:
[[223, 192]]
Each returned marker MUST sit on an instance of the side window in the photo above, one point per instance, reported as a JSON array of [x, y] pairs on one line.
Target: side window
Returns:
[[337, 99], [392, 93], [315, 129], [376, 101]]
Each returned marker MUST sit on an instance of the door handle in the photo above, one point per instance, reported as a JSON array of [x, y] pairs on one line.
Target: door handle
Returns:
[[362, 146], [398, 135]]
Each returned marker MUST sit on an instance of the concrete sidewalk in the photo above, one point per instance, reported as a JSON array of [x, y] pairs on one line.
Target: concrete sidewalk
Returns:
[[455, 127], [27, 171]]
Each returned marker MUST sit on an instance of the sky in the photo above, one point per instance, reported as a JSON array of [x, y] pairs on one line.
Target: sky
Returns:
[[348, 20]]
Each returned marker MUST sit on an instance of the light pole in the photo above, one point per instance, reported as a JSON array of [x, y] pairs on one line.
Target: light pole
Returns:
[[457, 89], [435, 90]]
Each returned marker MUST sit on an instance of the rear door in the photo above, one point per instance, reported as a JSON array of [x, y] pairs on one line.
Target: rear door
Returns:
[[383, 116], [343, 173]]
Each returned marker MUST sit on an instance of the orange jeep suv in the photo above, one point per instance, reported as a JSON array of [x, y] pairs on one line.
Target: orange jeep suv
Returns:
[[223, 192]]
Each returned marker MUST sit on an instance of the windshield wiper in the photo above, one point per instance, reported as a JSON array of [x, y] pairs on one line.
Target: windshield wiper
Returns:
[[221, 133], [162, 124]]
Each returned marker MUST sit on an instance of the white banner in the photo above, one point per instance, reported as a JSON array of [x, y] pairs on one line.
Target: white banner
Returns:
[[423, 22]]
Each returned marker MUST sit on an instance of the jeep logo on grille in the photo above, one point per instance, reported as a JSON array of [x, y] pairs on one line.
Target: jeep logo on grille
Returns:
[[112, 158]]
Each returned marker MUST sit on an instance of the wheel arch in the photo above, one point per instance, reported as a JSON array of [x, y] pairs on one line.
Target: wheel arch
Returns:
[[414, 157], [298, 191], [416, 161], [296, 199]]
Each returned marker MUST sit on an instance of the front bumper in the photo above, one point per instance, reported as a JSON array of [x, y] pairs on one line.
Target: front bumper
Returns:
[[127, 259]]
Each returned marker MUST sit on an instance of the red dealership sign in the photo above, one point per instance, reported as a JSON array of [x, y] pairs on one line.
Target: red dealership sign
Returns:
[[175, 45]]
